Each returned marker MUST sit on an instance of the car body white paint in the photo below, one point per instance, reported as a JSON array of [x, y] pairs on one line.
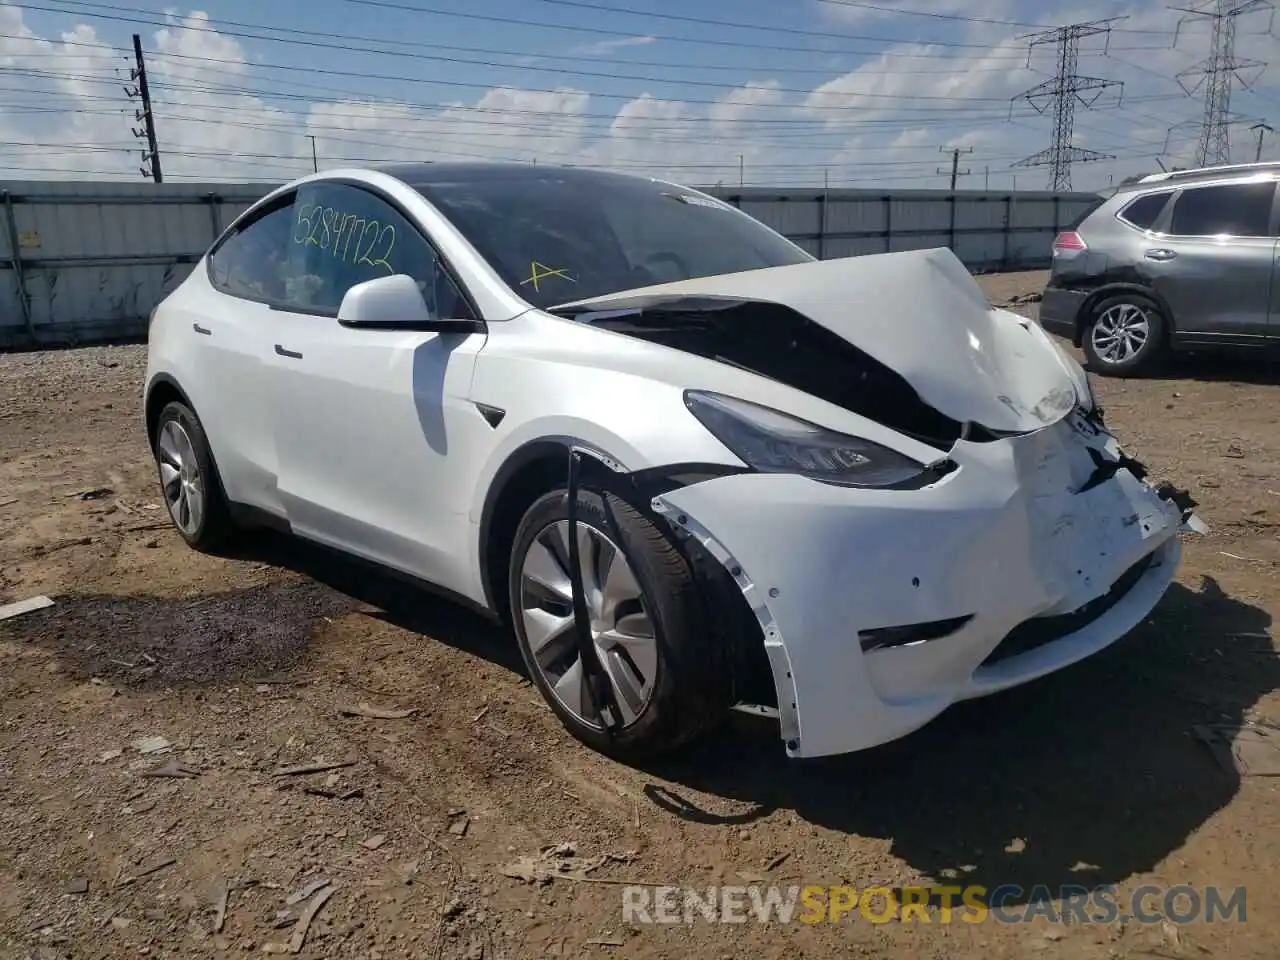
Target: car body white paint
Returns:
[[372, 442]]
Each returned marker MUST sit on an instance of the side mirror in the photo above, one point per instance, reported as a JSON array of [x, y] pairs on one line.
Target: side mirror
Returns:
[[395, 303]]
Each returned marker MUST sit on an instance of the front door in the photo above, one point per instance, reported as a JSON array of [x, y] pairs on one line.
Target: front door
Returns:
[[367, 421]]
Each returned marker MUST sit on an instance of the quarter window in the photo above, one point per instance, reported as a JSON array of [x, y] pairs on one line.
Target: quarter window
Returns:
[[1145, 211], [252, 262], [1235, 209], [343, 235]]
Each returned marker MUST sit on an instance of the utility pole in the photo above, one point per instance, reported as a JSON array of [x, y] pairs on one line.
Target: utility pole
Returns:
[[956, 172], [1261, 128], [315, 164], [742, 171], [1217, 72], [1064, 91], [145, 116]]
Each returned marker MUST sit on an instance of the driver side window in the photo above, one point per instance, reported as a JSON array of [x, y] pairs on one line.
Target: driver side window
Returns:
[[343, 235]]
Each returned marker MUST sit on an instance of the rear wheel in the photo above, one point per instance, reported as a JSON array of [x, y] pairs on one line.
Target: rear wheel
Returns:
[[189, 479], [666, 671], [1125, 337]]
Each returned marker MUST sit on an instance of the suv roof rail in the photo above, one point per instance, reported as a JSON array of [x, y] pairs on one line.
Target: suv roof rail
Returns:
[[1210, 171]]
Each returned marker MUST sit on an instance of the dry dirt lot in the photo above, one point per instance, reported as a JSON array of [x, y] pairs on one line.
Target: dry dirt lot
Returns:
[[243, 664]]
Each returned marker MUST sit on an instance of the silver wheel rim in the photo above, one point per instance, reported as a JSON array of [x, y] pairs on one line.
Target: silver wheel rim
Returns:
[[1120, 333], [180, 477], [621, 627]]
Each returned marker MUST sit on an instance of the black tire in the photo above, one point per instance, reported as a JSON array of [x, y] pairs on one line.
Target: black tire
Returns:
[[1148, 355], [215, 525], [691, 692]]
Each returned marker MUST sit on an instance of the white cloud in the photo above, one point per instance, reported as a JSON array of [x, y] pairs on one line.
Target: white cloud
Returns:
[[221, 116], [610, 46]]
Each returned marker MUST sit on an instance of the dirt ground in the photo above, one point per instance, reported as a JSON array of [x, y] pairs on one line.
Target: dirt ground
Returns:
[[244, 665]]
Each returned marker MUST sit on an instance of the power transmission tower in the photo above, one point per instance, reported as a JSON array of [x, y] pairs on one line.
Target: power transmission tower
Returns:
[[1064, 91], [145, 116], [1217, 72], [956, 172], [1261, 128]]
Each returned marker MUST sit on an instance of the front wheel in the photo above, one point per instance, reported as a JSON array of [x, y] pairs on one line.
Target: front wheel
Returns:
[[667, 671], [1125, 337]]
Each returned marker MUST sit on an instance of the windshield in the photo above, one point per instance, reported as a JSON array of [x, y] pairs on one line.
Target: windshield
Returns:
[[557, 238]]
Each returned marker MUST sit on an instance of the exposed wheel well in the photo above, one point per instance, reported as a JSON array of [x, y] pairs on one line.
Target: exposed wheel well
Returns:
[[543, 467], [161, 395]]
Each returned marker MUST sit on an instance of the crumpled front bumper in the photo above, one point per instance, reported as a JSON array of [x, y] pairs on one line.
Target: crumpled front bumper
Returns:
[[1036, 526]]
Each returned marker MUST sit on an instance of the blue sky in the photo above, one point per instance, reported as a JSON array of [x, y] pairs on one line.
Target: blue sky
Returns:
[[787, 92]]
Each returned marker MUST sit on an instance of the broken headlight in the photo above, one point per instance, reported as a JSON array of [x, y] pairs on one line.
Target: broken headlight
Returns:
[[773, 442]]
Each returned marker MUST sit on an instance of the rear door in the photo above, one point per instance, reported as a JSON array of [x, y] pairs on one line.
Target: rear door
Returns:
[[247, 273], [1212, 260]]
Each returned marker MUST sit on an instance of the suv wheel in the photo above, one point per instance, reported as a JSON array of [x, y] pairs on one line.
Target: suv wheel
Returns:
[[1125, 336]]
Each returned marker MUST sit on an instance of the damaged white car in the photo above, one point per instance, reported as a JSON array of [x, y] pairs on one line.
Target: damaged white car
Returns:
[[695, 468]]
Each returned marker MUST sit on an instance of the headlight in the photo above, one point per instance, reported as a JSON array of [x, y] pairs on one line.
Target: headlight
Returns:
[[774, 442]]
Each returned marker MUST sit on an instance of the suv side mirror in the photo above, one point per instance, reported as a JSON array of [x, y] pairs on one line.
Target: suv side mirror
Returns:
[[395, 303]]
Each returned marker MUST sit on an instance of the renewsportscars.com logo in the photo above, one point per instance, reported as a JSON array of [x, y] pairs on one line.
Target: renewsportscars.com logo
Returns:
[[1008, 904]]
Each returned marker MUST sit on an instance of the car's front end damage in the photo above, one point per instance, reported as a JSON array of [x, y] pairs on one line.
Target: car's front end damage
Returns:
[[1004, 537]]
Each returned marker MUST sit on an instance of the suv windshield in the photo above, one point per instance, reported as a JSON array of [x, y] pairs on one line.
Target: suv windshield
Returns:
[[555, 238]]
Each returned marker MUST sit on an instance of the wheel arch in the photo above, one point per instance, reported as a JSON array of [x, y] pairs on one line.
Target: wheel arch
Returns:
[[534, 468], [162, 390], [541, 465], [1090, 306]]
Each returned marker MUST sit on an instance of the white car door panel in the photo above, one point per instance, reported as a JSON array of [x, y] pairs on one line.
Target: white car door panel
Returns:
[[232, 374], [367, 423], [370, 425], [229, 330]]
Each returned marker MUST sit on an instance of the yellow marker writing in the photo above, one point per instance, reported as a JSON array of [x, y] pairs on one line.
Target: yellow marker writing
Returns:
[[540, 271]]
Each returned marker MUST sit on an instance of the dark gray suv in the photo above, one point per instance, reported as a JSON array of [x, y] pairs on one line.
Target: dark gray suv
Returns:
[[1183, 260]]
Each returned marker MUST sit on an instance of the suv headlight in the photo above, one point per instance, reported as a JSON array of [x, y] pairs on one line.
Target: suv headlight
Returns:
[[774, 442]]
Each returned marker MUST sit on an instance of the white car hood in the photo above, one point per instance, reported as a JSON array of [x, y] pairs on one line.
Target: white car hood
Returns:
[[921, 314]]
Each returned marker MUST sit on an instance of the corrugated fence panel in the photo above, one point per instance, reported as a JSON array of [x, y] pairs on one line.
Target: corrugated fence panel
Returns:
[[97, 257], [89, 260]]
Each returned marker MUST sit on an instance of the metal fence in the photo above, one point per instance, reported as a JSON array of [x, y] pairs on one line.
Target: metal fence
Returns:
[[86, 261]]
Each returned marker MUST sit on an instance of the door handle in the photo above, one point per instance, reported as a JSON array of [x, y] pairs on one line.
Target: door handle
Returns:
[[1161, 254], [292, 354], [199, 329]]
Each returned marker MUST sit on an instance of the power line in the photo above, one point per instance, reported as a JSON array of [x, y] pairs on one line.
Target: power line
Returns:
[[738, 25], [75, 6], [1064, 91], [899, 11], [347, 48], [1217, 72]]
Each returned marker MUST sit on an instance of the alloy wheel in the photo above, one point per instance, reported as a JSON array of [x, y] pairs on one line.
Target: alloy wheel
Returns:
[[1120, 333], [180, 477], [621, 627]]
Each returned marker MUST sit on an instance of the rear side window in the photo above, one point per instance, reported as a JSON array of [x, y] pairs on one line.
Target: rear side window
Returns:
[[1145, 211], [1235, 210], [253, 261]]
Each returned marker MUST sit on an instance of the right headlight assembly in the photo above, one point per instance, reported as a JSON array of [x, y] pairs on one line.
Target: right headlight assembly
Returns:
[[773, 442]]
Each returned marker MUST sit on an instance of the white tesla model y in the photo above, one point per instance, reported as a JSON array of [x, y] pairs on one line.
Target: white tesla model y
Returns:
[[693, 467]]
